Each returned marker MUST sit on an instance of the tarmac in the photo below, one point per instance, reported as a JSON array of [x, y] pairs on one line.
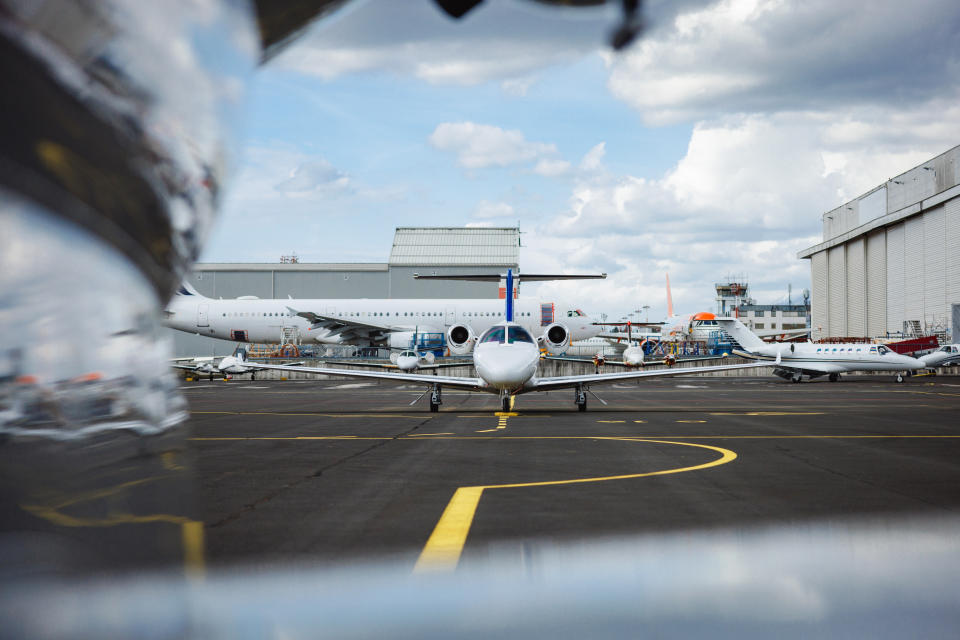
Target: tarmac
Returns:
[[327, 472]]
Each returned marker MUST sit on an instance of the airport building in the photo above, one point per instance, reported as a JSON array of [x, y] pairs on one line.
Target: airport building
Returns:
[[889, 263], [423, 250]]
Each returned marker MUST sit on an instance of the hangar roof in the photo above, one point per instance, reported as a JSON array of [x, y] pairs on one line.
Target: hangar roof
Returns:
[[484, 246]]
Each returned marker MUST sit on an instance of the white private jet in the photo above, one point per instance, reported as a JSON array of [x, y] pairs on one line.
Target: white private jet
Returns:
[[506, 358], [225, 367], [946, 356], [393, 323], [796, 360]]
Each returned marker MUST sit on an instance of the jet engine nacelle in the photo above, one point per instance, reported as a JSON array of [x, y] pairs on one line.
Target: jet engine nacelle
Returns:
[[460, 339], [400, 340], [555, 339]]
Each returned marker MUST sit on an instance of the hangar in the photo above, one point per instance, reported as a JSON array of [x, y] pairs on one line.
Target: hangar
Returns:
[[424, 250], [889, 263]]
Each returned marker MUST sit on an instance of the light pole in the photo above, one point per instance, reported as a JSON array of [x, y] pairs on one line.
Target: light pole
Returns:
[[646, 313]]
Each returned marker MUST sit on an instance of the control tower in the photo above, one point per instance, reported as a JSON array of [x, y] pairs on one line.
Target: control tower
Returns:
[[731, 294]]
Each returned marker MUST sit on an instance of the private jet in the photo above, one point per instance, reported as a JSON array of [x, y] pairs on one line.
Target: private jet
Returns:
[[506, 357], [946, 356], [795, 360], [226, 367]]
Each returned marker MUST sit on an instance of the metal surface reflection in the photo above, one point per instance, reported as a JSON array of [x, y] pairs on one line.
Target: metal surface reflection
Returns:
[[830, 580]]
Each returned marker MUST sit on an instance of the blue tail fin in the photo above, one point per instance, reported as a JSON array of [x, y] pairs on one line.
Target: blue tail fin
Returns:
[[509, 295]]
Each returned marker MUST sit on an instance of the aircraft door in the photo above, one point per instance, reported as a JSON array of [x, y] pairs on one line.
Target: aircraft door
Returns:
[[450, 316], [203, 315]]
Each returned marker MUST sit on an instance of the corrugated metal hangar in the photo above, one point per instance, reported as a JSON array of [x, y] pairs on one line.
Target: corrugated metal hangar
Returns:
[[424, 250], [889, 262]]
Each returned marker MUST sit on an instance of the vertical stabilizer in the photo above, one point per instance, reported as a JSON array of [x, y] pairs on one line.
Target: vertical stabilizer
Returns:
[[739, 332], [669, 299], [509, 298], [186, 289]]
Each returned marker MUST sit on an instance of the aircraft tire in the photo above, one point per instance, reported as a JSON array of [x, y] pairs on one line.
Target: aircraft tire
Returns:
[[899, 377], [434, 407], [505, 403], [582, 407], [834, 377]]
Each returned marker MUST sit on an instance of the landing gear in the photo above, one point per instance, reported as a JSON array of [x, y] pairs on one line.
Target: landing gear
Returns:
[[435, 399], [797, 378], [253, 377], [834, 377], [899, 377], [581, 398], [505, 403]]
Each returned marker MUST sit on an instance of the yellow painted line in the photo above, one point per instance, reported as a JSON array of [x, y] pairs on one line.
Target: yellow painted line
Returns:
[[443, 548], [505, 414], [485, 430], [769, 413], [447, 433], [322, 415], [191, 531], [640, 422], [690, 421], [611, 421], [445, 545], [292, 438]]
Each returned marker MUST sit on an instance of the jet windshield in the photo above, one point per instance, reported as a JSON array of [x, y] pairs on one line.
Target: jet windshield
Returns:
[[883, 350], [519, 334], [494, 334]]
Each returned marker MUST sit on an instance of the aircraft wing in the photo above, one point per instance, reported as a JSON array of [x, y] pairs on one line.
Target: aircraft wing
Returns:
[[563, 382], [388, 365], [468, 384], [346, 328]]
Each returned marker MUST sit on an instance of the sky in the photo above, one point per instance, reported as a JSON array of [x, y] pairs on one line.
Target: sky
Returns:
[[710, 147]]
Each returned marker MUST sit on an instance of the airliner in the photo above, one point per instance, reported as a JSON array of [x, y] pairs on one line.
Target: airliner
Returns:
[[393, 323], [506, 357], [796, 360]]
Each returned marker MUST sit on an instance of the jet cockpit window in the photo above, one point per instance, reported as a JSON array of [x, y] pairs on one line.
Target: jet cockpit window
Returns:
[[519, 334], [493, 334], [947, 349], [575, 313], [883, 350]]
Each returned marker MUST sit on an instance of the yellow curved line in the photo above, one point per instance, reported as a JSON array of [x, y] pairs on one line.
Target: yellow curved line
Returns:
[[443, 548]]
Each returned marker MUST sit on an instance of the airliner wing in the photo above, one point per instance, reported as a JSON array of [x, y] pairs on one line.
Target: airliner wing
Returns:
[[347, 328], [469, 384], [563, 382], [385, 365]]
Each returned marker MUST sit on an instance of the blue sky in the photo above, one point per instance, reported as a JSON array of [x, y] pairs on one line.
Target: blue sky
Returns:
[[710, 147]]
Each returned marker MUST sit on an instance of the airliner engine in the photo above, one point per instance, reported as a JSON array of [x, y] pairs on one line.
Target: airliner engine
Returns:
[[460, 339], [400, 340], [555, 339]]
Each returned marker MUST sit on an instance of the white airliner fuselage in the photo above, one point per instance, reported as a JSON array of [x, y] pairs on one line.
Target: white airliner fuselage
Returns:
[[390, 322]]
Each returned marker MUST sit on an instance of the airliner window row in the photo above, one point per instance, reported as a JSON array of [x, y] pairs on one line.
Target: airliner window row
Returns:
[[355, 314]]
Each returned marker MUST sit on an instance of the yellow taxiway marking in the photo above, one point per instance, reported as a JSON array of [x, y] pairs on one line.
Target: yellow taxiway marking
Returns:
[[446, 433], [485, 430], [191, 531], [768, 413], [690, 421], [611, 421], [503, 416], [321, 415], [640, 422], [291, 438], [443, 548]]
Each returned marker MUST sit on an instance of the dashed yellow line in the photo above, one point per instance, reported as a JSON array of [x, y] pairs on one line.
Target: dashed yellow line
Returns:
[[445, 545], [768, 413]]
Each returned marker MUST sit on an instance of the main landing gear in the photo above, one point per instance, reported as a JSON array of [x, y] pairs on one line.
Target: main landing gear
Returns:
[[435, 399], [797, 378], [505, 403], [580, 398], [899, 377], [834, 377]]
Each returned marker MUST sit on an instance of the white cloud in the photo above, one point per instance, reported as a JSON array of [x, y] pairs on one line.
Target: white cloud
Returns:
[[517, 87], [744, 56], [314, 175], [551, 168], [480, 145], [487, 209], [592, 160]]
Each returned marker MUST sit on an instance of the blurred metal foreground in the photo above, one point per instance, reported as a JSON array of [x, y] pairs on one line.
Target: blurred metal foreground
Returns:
[[827, 580]]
